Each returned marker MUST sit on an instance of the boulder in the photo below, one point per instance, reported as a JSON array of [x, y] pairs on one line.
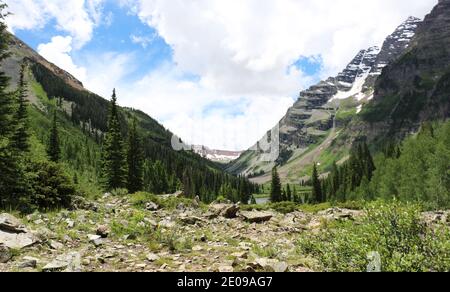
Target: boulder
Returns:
[[103, 231], [256, 216], [95, 240], [228, 211], [197, 248], [5, 254], [190, 220], [80, 203], [438, 217], [269, 265], [70, 262], [9, 223], [152, 257], [226, 269], [18, 240], [150, 206], [56, 245], [70, 223], [28, 262]]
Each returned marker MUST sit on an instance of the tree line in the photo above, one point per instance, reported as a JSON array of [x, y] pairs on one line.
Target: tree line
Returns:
[[125, 165], [26, 183], [416, 170]]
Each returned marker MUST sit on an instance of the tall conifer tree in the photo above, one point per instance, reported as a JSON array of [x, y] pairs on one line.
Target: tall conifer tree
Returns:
[[135, 160], [20, 139], [53, 147], [316, 184], [275, 192], [113, 151]]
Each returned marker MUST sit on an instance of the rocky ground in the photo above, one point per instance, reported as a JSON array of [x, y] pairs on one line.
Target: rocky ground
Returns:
[[115, 234]]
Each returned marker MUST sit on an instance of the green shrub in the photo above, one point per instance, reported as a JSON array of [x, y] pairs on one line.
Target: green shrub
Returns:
[[51, 188], [140, 199], [119, 192], [394, 231]]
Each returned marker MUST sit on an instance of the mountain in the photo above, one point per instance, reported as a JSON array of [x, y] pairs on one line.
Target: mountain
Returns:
[[415, 88], [221, 156], [321, 111], [82, 118]]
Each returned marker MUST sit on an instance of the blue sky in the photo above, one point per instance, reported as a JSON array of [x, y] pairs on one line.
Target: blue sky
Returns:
[[218, 73]]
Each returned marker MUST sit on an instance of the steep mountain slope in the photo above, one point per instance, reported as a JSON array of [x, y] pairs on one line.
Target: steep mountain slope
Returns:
[[83, 117], [416, 87], [312, 124]]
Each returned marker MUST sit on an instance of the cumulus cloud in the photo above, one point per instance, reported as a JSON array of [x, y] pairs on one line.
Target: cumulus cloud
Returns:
[[76, 17], [242, 52], [231, 78], [244, 39], [58, 52], [201, 115], [99, 72]]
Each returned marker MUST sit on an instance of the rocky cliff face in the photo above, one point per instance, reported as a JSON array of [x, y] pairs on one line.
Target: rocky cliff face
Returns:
[[393, 47], [415, 87], [20, 52], [313, 116]]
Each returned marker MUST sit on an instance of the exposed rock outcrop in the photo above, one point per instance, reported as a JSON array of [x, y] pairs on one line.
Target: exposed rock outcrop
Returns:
[[313, 114]]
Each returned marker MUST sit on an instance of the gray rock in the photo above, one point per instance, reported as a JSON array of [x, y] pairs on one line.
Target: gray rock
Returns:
[[56, 245], [17, 240], [270, 265], [228, 211], [226, 269], [80, 203], [5, 254], [256, 216], [39, 222], [70, 223], [28, 262], [103, 231], [150, 206], [70, 262], [96, 240], [190, 220], [151, 257], [9, 223], [197, 248]]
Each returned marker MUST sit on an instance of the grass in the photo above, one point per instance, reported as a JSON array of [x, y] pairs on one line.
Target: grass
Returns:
[[393, 231], [270, 252], [142, 198]]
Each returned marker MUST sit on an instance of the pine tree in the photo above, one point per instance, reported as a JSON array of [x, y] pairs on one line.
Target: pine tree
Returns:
[[288, 193], [335, 183], [369, 165], [113, 154], [135, 160], [316, 184], [275, 192], [53, 147], [13, 182], [20, 139]]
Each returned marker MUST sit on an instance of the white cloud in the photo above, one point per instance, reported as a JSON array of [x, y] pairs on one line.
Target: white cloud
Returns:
[[107, 70], [201, 115], [242, 52], [99, 72], [58, 52], [214, 38], [76, 17], [144, 41]]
